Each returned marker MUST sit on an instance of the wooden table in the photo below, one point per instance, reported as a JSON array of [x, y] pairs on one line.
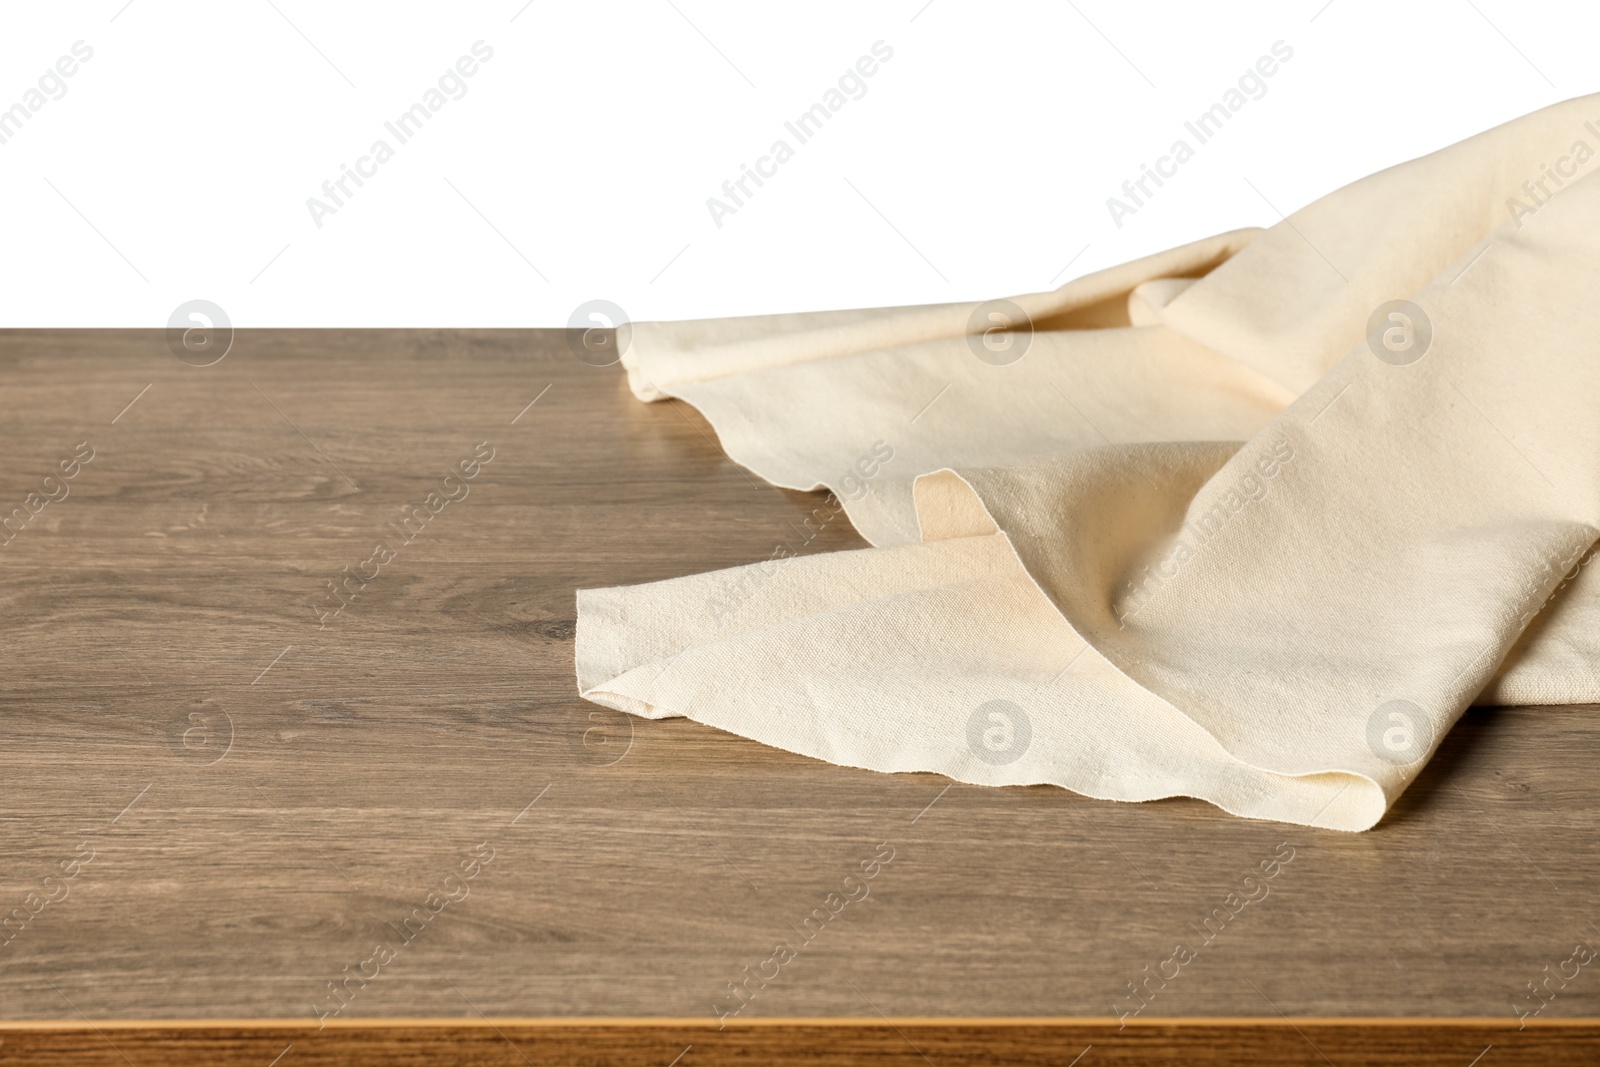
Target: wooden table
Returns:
[[219, 796]]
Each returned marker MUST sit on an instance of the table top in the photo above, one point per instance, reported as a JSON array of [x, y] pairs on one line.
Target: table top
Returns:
[[228, 786]]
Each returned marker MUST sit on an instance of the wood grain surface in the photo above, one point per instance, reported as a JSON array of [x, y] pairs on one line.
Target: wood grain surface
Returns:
[[217, 798], [819, 1042]]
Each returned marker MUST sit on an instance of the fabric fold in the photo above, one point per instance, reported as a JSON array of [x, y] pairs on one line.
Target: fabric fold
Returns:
[[1253, 520]]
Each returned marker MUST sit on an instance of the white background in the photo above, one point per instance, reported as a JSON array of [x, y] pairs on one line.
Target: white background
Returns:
[[578, 164]]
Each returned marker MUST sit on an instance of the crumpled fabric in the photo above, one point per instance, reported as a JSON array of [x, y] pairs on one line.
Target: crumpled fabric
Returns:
[[1253, 520]]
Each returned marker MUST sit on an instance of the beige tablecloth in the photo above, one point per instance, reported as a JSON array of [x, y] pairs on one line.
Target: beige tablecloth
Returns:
[[1253, 520]]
